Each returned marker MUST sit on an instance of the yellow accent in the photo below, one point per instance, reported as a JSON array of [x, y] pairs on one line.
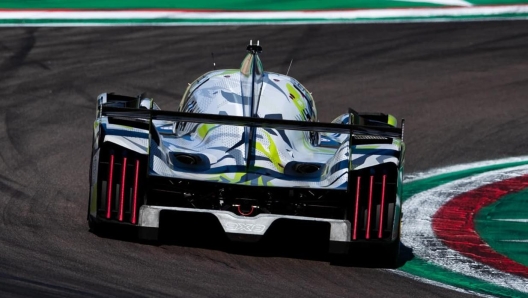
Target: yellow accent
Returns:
[[235, 179], [297, 98], [392, 121], [229, 71], [272, 154], [366, 147], [238, 178], [204, 129]]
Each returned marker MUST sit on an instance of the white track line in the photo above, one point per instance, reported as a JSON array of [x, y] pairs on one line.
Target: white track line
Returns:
[[435, 283], [441, 2], [264, 15], [418, 233], [512, 219]]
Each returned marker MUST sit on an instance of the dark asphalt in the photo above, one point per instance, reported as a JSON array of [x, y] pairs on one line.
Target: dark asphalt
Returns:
[[462, 88]]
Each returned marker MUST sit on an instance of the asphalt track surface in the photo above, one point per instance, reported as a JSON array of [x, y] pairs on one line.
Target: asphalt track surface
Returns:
[[463, 88]]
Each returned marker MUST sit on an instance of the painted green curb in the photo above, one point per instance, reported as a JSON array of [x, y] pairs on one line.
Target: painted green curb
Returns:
[[513, 206], [429, 271], [417, 186], [147, 22], [240, 5]]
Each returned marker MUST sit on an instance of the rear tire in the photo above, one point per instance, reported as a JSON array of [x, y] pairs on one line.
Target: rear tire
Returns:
[[386, 255], [94, 226]]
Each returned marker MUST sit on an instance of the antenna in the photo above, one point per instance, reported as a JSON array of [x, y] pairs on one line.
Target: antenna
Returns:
[[254, 49], [214, 64], [289, 67]]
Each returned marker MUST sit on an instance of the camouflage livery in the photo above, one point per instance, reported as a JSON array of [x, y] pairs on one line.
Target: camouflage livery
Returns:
[[256, 140]]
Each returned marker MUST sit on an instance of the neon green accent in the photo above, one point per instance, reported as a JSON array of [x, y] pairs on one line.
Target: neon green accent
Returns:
[[204, 129], [359, 147], [297, 98], [229, 71], [272, 154], [236, 179], [392, 121]]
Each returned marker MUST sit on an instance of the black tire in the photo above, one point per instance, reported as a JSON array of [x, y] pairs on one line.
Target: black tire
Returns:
[[370, 256], [387, 255], [93, 225]]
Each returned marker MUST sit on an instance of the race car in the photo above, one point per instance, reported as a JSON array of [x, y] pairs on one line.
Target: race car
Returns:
[[245, 148]]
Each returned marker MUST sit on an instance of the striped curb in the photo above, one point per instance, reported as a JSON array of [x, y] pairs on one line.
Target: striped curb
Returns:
[[459, 214], [168, 17], [442, 260]]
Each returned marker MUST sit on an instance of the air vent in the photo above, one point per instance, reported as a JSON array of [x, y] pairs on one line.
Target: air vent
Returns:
[[307, 168], [304, 169], [190, 161], [187, 159]]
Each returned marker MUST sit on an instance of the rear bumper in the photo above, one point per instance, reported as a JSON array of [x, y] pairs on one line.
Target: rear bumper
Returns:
[[241, 228]]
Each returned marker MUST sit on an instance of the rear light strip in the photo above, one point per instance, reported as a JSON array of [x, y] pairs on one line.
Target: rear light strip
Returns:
[[371, 207], [122, 186]]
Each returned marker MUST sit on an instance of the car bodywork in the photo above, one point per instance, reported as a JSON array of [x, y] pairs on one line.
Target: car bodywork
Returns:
[[246, 148]]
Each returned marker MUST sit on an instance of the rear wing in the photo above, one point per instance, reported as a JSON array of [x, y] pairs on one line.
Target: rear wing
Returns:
[[142, 118], [352, 129]]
